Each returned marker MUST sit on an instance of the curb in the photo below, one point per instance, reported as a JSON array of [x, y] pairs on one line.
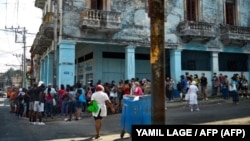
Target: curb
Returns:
[[179, 103], [217, 100]]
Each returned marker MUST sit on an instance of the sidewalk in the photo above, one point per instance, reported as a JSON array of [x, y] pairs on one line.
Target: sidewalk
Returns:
[[211, 100]]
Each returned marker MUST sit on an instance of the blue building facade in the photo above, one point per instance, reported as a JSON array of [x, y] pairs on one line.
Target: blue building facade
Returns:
[[110, 40]]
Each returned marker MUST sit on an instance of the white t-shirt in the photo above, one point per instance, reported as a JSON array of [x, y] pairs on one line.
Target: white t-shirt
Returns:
[[100, 97], [52, 91]]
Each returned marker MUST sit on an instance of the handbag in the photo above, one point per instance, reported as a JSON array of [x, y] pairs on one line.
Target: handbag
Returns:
[[93, 107], [187, 95], [54, 102]]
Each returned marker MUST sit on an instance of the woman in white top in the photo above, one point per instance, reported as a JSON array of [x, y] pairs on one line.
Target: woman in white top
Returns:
[[193, 98], [102, 99]]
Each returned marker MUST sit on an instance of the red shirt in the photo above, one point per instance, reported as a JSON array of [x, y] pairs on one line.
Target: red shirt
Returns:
[[138, 91]]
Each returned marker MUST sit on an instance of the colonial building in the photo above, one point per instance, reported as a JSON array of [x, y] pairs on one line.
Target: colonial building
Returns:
[[82, 40]]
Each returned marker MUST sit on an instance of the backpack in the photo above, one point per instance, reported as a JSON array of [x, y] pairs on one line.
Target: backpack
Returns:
[[82, 98]]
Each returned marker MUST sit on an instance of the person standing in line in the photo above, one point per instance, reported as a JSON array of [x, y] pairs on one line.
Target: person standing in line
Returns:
[[38, 104], [203, 84], [102, 100], [126, 87], [138, 90], [31, 94], [72, 101], [120, 93], [78, 104], [132, 84], [49, 103], [62, 103], [233, 88], [146, 86], [193, 98], [224, 87], [215, 84], [20, 103], [169, 88], [184, 87]]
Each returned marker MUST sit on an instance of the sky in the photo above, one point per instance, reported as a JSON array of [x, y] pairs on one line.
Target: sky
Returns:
[[22, 13]]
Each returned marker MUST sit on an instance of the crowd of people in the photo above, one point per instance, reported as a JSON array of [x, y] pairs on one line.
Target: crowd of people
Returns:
[[40, 101], [191, 87]]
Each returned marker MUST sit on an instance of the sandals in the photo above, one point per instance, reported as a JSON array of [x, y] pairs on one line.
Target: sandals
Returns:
[[97, 136]]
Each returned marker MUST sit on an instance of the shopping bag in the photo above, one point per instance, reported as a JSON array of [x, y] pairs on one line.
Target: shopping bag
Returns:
[[187, 95]]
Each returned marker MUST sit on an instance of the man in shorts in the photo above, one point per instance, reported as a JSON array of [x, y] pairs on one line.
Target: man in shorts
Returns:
[[38, 107]]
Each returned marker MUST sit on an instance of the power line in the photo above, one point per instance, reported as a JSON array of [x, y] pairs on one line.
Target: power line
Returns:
[[14, 31], [23, 31]]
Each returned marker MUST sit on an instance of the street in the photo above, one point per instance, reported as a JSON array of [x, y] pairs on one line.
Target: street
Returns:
[[14, 129]]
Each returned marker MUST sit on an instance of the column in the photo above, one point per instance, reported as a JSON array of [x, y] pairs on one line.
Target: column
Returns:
[[66, 63], [248, 68], [215, 62], [45, 80], [50, 68], [42, 71], [129, 62], [175, 65]]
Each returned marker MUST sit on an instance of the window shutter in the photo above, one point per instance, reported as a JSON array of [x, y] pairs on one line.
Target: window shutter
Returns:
[[93, 4], [191, 10], [230, 11]]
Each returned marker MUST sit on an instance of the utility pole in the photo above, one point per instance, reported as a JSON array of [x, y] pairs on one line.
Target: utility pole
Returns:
[[157, 60], [21, 66], [23, 31]]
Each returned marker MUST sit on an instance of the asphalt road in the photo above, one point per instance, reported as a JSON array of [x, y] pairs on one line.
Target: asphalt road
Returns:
[[14, 129], [216, 113]]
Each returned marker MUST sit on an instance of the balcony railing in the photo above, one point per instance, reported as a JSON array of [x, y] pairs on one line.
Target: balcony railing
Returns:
[[100, 20], [189, 30], [235, 34], [48, 17], [48, 25]]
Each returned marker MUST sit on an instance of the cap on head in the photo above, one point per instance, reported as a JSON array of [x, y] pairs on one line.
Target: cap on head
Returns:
[[193, 83], [40, 83]]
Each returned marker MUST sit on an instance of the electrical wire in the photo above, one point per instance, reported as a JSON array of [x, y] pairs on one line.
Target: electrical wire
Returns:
[[17, 11]]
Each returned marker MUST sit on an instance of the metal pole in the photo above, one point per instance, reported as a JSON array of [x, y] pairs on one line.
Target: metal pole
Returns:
[[24, 58], [157, 60]]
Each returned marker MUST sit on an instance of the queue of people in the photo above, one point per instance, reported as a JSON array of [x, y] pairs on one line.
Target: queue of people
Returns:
[[40, 101], [191, 87]]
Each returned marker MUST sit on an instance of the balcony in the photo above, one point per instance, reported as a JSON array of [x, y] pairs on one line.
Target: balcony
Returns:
[[190, 30], [40, 3], [100, 21], [235, 34], [48, 25], [40, 44]]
